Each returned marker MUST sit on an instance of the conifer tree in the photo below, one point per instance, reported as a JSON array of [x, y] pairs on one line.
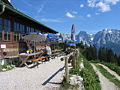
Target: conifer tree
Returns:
[[118, 60], [110, 56], [94, 52], [100, 54]]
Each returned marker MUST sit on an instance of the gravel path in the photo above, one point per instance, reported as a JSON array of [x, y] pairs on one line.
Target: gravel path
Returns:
[[105, 83], [48, 74], [110, 71]]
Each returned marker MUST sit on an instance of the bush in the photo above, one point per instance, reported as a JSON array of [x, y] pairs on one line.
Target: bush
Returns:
[[7, 67], [62, 59]]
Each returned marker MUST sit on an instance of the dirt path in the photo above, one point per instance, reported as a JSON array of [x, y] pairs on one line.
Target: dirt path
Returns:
[[110, 71], [48, 74], [105, 83]]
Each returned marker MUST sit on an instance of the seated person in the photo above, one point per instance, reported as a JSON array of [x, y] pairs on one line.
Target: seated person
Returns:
[[47, 52]]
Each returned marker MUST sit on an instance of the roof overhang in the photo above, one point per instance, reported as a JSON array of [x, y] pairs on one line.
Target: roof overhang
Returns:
[[24, 18]]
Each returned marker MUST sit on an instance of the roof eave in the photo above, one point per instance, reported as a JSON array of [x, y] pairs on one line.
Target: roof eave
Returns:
[[25, 16]]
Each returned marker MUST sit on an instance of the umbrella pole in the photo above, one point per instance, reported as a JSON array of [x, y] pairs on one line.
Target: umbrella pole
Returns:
[[34, 46]]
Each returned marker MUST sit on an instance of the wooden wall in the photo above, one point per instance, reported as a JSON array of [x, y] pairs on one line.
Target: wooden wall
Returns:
[[12, 48]]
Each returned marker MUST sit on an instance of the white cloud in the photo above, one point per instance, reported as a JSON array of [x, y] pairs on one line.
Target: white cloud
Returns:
[[81, 5], [114, 2], [41, 8], [88, 15], [27, 3], [96, 13], [91, 3], [74, 12], [68, 14], [50, 20], [103, 7]]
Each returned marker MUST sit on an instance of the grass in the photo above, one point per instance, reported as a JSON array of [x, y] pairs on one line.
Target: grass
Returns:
[[111, 66], [90, 78], [109, 76], [7, 67], [73, 71]]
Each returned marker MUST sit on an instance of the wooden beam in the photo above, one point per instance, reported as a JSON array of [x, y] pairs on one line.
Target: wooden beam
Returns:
[[19, 31], [25, 28], [12, 31], [66, 70], [2, 29], [15, 31], [7, 30]]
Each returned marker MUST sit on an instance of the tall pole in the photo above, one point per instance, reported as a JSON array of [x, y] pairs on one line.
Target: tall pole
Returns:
[[66, 70]]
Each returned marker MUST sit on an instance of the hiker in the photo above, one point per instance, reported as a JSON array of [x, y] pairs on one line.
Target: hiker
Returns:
[[67, 50], [71, 60]]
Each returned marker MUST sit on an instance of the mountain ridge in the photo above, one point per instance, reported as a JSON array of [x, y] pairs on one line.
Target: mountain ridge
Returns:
[[109, 38]]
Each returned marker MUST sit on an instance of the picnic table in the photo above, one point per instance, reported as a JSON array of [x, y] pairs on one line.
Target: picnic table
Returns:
[[55, 53], [25, 57]]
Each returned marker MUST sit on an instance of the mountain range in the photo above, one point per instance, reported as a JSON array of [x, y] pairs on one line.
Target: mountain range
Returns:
[[109, 38]]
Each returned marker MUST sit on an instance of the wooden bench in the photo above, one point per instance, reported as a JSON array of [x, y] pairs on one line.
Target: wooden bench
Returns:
[[38, 59], [54, 55]]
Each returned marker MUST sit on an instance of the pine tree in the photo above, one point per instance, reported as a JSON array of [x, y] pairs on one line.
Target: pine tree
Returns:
[[100, 54], [118, 60], [94, 51], [103, 54], [110, 56], [115, 58]]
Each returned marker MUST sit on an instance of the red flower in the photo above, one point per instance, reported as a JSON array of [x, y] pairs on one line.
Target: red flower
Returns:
[[4, 53]]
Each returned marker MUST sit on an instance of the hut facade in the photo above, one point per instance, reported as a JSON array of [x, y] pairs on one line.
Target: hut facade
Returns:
[[15, 24]]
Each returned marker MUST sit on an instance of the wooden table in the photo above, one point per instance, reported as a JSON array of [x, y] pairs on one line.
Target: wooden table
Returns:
[[55, 53], [24, 57]]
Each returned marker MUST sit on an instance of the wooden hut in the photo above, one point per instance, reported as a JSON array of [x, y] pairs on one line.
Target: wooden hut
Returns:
[[15, 24]]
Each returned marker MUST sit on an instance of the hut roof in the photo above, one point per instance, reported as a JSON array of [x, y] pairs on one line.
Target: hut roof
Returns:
[[14, 13], [7, 2]]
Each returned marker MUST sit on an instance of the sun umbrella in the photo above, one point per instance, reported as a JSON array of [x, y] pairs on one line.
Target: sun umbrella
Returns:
[[50, 35], [34, 38]]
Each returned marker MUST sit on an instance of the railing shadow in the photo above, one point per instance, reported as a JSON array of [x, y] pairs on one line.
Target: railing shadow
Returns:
[[47, 81]]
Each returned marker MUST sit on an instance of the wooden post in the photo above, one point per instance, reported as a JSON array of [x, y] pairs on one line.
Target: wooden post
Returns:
[[74, 54], [19, 31], [2, 29], [12, 30], [25, 28], [66, 70]]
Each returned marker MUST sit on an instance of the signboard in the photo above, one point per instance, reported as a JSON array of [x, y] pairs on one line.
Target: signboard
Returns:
[[3, 45]]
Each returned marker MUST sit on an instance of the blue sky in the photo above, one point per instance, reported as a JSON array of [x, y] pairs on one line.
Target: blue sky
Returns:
[[87, 15]]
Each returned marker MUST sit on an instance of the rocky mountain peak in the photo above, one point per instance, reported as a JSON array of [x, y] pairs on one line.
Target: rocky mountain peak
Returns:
[[109, 38]]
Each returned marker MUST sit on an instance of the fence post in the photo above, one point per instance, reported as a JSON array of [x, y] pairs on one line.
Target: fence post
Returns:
[[66, 70], [74, 54]]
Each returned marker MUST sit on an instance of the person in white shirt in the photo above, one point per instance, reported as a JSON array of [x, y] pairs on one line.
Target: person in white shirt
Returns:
[[48, 52]]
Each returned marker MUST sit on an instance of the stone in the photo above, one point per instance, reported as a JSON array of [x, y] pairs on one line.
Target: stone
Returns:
[[77, 80]]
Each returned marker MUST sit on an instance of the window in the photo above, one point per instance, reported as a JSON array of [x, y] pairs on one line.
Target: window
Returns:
[[15, 30], [6, 29], [9, 30]]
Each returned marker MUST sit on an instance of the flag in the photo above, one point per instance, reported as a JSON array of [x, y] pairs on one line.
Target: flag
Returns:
[[73, 32]]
